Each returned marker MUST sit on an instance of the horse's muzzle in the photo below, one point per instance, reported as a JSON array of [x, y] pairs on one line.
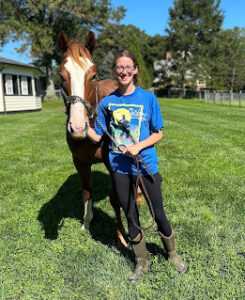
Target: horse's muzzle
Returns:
[[78, 132]]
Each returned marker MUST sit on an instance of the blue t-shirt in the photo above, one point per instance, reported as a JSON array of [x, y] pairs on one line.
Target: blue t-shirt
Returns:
[[130, 119]]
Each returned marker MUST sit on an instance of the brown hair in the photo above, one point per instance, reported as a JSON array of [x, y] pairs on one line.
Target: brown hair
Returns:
[[129, 54]]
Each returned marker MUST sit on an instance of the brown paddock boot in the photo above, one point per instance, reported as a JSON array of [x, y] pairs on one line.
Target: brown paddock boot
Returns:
[[169, 245], [139, 247]]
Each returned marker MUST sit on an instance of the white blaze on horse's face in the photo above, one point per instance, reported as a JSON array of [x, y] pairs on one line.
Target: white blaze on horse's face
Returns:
[[78, 121]]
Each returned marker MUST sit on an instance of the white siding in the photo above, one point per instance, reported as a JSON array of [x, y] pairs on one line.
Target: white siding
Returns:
[[19, 102]]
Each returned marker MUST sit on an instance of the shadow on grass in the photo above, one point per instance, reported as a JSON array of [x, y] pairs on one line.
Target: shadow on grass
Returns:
[[68, 203]]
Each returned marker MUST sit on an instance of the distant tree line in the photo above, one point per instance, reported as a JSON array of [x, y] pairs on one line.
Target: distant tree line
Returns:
[[194, 37], [200, 45]]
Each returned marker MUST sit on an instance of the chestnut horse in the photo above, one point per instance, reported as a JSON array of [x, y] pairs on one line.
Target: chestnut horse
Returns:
[[79, 86]]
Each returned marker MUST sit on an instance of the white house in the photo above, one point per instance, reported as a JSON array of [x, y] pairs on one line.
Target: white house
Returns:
[[19, 87], [165, 65]]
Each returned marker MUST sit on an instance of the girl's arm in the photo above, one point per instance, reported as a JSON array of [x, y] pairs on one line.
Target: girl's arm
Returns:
[[93, 136], [133, 150]]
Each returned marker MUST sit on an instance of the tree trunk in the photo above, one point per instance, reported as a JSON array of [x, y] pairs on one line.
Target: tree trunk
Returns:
[[50, 90]]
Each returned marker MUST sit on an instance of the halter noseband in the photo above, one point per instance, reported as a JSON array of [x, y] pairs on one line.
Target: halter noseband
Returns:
[[68, 100]]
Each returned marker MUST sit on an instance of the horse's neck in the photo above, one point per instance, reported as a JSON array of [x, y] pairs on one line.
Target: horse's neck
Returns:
[[103, 88], [106, 87]]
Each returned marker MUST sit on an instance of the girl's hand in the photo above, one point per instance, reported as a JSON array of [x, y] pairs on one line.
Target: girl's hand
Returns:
[[91, 134], [132, 150]]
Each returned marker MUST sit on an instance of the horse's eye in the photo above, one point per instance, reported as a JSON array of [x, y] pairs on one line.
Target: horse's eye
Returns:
[[94, 77]]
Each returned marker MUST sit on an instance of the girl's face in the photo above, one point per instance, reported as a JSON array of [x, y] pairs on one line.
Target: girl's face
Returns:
[[125, 70]]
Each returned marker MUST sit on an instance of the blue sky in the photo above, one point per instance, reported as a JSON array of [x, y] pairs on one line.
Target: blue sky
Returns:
[[151, 16]]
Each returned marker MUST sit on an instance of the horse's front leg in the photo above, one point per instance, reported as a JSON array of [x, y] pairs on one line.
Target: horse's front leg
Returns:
[[84, 171], [117, 208], [88, 208]]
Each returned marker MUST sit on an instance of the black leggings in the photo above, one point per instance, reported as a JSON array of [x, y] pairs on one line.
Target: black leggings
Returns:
[[125, 187]]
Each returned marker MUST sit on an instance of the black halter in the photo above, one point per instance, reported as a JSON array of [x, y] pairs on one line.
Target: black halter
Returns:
[[68, 100]]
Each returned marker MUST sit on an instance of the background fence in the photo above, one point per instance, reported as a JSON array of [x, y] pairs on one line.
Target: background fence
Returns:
[[225, 97], [216, 97]]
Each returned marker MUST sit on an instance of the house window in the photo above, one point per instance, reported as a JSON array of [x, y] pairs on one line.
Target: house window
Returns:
[[200, 82], [10, 85], [9, 89], [25, 85]]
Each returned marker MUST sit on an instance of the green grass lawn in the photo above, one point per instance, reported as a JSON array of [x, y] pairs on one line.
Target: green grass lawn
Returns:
[[45, 255]]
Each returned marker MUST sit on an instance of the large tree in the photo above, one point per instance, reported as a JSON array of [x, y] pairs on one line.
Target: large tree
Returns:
[[135, 47], [154, 49], [37, 23], [227, 70], [193, 25]]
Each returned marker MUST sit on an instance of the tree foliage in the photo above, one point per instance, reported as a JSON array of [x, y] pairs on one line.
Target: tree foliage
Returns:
[[227, 67], [37, 23], [200, 49], [105, 66], [193, 25], [134, 47], [154, 49]]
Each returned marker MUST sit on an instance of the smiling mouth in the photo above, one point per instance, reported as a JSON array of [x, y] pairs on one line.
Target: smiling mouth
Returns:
[[124, 77]]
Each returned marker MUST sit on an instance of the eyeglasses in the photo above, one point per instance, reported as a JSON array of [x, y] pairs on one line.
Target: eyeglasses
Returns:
[[122, 68]]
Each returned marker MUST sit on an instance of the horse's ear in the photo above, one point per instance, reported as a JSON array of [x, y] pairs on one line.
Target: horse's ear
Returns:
[[62, 41], [90, 42]]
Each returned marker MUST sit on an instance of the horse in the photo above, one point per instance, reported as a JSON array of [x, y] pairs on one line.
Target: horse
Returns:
[[82, 93]]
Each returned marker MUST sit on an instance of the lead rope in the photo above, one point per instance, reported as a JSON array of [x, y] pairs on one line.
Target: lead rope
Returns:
[[67, 100], [147, 197], [138, 180]]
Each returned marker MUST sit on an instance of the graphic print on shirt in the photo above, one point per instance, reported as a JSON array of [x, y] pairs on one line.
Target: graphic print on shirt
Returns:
[[125, 123]]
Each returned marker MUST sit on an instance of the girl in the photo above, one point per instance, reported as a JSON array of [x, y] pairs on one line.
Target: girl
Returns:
[[132, 116]]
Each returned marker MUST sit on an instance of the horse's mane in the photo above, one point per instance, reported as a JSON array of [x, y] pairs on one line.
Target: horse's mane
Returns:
[[77, 50]]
